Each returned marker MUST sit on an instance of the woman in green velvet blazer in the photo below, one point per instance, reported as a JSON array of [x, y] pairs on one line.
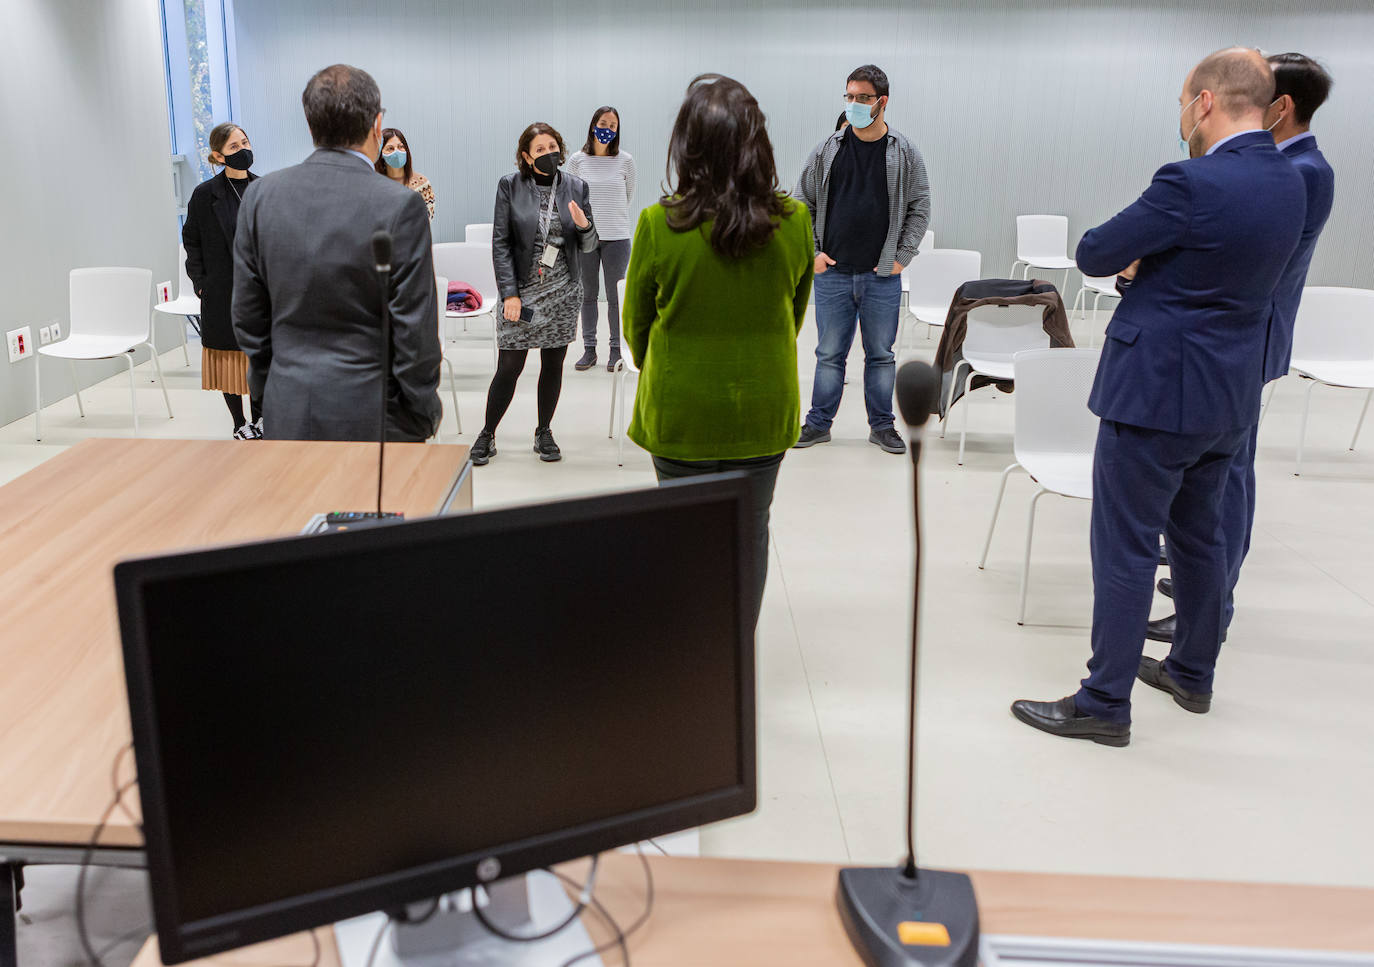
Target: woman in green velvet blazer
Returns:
[[715, 296]]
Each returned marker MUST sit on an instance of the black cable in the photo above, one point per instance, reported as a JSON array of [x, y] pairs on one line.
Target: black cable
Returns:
[[642, 919], [531, 938], [377, 941], [654, 844], [86, 858], [601, 911]]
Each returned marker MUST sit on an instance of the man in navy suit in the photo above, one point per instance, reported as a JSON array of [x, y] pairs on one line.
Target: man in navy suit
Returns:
[[1178, 388], [1301, 86]]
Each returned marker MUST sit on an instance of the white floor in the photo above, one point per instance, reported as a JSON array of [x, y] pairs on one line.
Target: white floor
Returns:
[[1275, 784]]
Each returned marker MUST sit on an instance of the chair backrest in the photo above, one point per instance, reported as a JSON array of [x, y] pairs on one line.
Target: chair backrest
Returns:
[[625, 350], [927, 242], [441, 284], [1000, 332], [478, 234], [1042, 235], [1335, 323], [183, 280], [1052, 387], [111, 302], [936, 275], [468, 262]]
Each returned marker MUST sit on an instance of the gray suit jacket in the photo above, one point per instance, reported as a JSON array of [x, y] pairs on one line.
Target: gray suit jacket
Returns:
[[307, 306]]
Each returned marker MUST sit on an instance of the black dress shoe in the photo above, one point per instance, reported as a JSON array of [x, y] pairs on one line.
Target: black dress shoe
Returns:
[[1166, 587], [1152, 673], [1063, 718], [1163, 629]]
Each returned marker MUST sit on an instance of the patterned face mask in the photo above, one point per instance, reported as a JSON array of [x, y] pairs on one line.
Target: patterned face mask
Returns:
[[604, 135]]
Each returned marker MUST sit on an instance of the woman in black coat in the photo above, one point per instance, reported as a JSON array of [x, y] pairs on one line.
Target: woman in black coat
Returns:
[[208, 236]]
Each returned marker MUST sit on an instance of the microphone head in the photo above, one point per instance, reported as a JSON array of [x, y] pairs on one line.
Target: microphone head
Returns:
[[381, 248], [918, 392]]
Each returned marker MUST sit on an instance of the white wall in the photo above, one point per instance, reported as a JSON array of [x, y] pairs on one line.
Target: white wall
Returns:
[[1019, 105], [82, 89]]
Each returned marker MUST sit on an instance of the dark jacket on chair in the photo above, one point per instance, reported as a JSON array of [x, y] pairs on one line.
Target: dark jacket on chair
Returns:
[[307, 306], [1185, 349], [515, 227], [208, 236]]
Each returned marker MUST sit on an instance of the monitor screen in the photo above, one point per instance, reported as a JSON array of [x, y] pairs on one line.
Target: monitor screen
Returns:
[[330, 725]]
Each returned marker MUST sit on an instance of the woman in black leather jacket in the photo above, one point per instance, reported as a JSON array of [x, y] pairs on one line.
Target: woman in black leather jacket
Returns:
[[542, 225]]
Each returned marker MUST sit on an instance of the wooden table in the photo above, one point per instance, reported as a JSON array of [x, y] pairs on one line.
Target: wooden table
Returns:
[[749, 913], [63, 712]]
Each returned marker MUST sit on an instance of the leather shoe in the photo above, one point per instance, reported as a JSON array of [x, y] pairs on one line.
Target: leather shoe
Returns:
[[1152, 673], [1063, 718], [1166, 587], [1163, 629]]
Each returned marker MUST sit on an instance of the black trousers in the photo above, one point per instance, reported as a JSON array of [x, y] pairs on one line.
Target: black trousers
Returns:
[[763, 474]]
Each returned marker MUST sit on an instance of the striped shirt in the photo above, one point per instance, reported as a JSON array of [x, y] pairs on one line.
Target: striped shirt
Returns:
[[611, 181]]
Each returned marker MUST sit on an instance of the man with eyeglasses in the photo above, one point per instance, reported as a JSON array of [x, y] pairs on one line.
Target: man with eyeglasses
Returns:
[[869, 198]]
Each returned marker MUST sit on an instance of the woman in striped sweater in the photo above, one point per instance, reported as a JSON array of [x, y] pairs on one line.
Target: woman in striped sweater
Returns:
[[610, 175]]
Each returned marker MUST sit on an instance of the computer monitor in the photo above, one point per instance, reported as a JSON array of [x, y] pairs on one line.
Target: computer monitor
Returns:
[[328, 726]]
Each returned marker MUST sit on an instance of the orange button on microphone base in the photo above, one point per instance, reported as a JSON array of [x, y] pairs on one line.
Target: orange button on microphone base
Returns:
[[914, 933]]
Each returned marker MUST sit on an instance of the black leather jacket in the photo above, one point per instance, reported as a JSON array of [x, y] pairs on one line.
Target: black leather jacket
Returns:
[[515, 228]]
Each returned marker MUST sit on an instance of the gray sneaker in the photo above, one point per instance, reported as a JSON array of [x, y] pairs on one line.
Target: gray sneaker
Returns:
[[810, 436], [889, 439]]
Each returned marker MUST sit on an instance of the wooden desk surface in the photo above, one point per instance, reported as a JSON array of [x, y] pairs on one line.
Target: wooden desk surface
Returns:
[[63, 712], [748, 913]]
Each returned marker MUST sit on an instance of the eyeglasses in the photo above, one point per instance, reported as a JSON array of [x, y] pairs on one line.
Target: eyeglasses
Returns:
[[861, 98]]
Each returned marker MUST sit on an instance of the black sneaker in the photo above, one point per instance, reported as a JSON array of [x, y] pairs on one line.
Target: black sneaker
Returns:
[[612, 360], [587, 361], [889, 439], [810, 436], [483, 449], [544, 446]]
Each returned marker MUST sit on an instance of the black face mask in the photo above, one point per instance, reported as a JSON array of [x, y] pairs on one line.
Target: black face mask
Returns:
[[547, 164], [240, 160]]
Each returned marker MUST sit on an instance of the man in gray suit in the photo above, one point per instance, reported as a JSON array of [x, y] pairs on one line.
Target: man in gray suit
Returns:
[[307, 305]]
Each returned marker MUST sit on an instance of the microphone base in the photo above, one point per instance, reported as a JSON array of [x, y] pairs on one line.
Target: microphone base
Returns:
[[893, 921], [356, 520]]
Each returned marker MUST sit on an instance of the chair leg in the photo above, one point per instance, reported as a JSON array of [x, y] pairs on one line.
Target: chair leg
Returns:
[[1302, 429], [1079, 304], [1360, 425], [1025, 562], [1269, 398], [185, 352], [949, 401], [620, 401], [37, 400], [615, 389], [1092, 330], [1067, 273], [453, 388], [1012, 273], [996, 507], [133, 398], [76, 386], [157, 365], [963, 430]]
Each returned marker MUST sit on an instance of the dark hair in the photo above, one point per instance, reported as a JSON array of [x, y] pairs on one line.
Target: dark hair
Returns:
[[842, 120], [341, 102], [870, 74], [527, 138], [614, 147], [723, 162], [1302, 79], [381, 166], [219, 136], [1238, 77]]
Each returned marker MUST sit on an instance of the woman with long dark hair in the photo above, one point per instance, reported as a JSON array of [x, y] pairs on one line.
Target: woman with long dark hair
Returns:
[[398, 164], [208, 237], [610, 176], [714, 300]]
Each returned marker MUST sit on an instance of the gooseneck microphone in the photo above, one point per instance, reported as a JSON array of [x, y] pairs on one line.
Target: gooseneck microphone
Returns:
[[381, 255], [905, 916]]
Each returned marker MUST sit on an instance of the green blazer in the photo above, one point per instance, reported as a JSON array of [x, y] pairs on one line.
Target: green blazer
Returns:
[[716, 339]]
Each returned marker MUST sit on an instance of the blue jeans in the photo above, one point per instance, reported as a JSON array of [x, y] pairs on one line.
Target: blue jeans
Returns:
[[872, 302]]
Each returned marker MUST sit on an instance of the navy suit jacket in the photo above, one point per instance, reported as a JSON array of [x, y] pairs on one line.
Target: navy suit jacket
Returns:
[[1185, 349], [1320, 182]]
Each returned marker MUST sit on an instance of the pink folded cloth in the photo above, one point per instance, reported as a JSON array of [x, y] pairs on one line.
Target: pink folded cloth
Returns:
[[463, 297]]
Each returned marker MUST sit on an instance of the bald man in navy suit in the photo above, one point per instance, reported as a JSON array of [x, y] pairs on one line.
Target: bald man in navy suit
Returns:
[[1178, 389]]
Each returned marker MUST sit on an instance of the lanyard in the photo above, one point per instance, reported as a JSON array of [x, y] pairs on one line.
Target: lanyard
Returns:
[[546, 216]]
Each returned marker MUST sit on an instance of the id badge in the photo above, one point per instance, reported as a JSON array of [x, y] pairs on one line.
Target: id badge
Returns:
[[549, 257]]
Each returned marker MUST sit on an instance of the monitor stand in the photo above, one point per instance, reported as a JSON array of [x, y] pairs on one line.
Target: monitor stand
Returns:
[[453, 937]]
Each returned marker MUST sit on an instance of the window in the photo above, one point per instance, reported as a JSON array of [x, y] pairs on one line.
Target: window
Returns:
[[198, 56]]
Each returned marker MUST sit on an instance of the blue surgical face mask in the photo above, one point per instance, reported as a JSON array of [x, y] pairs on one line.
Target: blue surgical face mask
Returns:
[[859, 115], [604, 135], [397, 159], [1182, 140]]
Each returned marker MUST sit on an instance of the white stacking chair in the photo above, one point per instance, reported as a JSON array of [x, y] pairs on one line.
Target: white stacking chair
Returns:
[[1042, 242], [1333, 344], [470, 262], [934, 278], [441, 284], [995, 335], [110, 318], [927, 243], [184, 304], [623, 367], [1097, 287], [1055, 436], [479, 234]]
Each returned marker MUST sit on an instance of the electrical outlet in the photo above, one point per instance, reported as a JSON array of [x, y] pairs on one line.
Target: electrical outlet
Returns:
[[20, 343], [56, 330], [164, 291], [44, 335]]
